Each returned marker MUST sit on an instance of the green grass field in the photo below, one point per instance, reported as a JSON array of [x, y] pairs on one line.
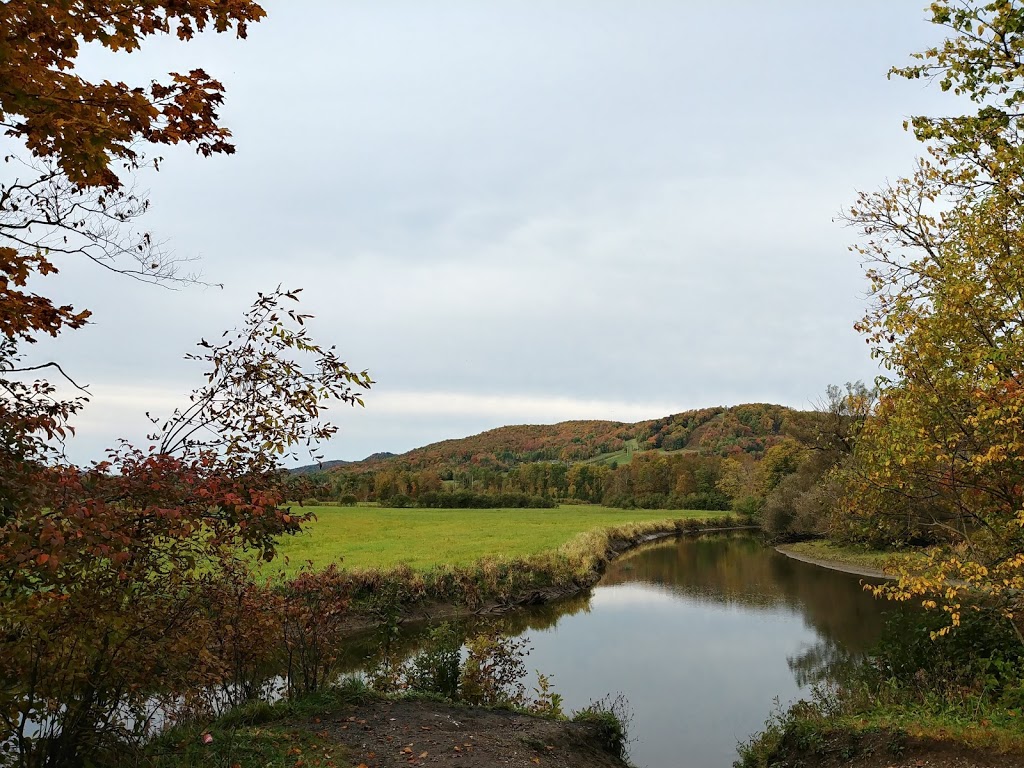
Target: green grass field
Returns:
[[621, 458], [373, 537], [625, 456]]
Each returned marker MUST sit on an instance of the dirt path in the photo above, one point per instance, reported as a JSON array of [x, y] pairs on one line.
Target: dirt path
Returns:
[[400, 734], [389, 734]]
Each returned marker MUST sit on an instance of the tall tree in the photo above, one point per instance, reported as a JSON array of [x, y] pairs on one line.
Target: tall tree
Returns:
[[943, 461], [68, 190]]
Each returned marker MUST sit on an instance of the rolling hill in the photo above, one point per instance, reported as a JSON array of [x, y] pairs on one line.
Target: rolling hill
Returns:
[[720, 431]]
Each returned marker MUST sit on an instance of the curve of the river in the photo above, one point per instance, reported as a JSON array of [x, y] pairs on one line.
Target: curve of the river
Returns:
[[703, 637]]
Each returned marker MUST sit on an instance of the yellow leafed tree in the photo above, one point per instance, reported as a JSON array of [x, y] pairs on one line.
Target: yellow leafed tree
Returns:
[[942, 462]]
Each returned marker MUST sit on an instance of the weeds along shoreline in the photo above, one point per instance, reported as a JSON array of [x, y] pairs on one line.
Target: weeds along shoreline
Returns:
[[493, 586]]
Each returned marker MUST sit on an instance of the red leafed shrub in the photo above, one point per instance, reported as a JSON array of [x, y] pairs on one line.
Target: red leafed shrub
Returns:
[[314, 609], [125, 582]]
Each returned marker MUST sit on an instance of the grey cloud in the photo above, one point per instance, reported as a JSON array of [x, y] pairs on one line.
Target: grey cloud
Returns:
[[581, 200]]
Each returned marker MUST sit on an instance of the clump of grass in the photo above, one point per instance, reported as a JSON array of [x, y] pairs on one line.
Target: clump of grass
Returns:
[[966, 687], [255, 733], [611, 717]]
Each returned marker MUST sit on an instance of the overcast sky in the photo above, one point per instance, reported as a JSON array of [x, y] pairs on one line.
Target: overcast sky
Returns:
[[520, 212]]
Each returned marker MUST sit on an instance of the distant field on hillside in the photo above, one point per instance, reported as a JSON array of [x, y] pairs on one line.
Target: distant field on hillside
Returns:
[[621, 458], [374, 537]]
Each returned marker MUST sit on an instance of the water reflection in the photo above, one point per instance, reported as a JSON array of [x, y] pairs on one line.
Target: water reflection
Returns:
[[740, 570], [363, 650], [701, 635]]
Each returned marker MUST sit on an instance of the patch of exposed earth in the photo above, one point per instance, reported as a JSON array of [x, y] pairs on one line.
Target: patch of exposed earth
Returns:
[[398, 734]]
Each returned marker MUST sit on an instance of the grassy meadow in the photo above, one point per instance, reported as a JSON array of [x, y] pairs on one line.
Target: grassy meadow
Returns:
[[375, 537]]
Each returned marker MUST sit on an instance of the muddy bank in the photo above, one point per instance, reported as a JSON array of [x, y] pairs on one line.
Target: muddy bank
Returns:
[[388, 734]]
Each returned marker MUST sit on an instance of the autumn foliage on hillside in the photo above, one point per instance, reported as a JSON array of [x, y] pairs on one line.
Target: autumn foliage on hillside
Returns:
[[724, 431], [742, 429], [505, 447], [676, 461]]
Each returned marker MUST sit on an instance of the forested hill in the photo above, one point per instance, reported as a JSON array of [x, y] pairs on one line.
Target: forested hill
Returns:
[[743, 429], [308, 469]]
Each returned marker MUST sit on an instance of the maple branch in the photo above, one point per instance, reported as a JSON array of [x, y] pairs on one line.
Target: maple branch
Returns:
[[41, 366]]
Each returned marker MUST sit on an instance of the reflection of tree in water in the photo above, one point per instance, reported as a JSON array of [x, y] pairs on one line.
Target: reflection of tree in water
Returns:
[[741, 570], [366, 648], [731, 570], [824, 660]]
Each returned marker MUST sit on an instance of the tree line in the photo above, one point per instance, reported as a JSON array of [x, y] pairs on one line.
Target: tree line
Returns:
[[742, 481]]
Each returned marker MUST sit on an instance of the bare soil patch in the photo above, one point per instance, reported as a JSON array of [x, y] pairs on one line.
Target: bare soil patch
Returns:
[[393, 734]]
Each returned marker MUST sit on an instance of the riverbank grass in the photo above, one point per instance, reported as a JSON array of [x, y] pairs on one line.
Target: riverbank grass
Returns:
[[841, 555], [379, 538], [811, 734]]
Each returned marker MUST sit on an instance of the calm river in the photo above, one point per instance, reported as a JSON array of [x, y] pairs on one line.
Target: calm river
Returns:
[[702, 636]]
